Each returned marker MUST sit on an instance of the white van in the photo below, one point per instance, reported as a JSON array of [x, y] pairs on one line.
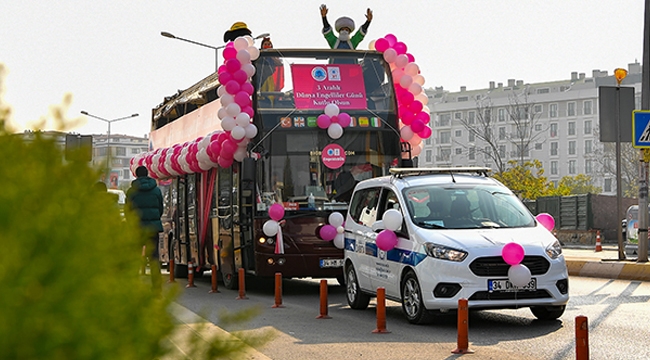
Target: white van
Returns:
[[121, 199], [450, 245]]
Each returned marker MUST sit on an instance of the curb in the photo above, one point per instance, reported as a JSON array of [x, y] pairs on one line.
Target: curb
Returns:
[[608, 270]]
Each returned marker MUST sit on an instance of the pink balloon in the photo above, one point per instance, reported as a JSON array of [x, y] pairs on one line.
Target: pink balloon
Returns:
[[406, 98], [425, 133], [248, 88], [222, 137], [232, 87], [323, 121], [381, 44], [407, 118], [242, 99], [410, 57], [546, 220], [229, 53], [416, 106], [417, 125], [248, 110], [400, 47], [224, 163], [344, 119], [225, 77], [228, 146], [386, 240], [334, 119], [391, 39], [233, 65], [423, 116], [240, 76], [512, 253], [276, 212], [327, 232], [221, 69], [214, 149]]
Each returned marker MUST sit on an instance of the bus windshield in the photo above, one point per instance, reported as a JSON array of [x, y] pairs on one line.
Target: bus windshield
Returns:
[[300, 160]]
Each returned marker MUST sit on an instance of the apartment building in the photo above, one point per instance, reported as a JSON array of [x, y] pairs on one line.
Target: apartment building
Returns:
[[556, 122], [122, 149]]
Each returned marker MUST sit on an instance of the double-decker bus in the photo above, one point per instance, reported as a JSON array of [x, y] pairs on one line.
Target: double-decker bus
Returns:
[[216, 216]]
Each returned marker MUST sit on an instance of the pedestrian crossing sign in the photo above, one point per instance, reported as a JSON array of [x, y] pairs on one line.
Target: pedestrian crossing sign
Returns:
[[641, 129]]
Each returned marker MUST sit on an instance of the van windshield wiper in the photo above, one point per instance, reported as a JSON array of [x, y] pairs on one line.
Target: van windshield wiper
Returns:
[[429, 225]]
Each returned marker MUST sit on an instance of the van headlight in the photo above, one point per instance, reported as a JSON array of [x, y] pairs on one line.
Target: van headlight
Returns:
[[444, 252], [554, 250]]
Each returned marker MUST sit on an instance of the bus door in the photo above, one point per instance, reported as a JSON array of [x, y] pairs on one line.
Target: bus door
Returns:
[[229, 241], [180, 242]]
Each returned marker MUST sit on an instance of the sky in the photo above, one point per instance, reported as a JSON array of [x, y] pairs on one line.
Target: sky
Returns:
[[109, 54]]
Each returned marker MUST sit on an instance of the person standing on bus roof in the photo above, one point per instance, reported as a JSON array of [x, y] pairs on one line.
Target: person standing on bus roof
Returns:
[[146, 200], [344, 26], [236, 30]]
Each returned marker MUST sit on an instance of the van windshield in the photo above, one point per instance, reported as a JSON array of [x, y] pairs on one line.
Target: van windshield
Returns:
[[432, 206]]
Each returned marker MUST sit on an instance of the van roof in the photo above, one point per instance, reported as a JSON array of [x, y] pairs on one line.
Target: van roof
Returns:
[[121, 196]]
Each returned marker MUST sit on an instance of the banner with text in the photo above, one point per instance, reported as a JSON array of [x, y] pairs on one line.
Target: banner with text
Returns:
[[315, 86]]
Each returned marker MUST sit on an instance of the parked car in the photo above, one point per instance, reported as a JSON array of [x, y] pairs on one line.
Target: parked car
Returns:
[[631, 231], [450, 245]]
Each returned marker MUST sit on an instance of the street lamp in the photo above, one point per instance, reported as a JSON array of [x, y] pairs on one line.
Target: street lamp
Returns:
[[108, 139], [215, 48]]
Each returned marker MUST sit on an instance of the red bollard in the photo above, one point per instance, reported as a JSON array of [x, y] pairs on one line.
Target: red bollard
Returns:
[[190, 275], [599, 245], [242, 285], [463, 339], [214, 280], [582, 338], [171, 271], [323, 301], [381, 312], [278, 291]]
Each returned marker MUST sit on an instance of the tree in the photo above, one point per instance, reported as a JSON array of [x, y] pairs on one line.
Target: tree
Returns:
[[579, 184], [604, 157], [492, 134], [528, 180]]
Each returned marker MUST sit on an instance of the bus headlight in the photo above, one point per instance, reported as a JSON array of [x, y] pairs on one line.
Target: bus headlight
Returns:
[[444, 252], [554, 250]]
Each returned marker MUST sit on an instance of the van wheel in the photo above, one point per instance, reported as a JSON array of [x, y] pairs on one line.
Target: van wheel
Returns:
[[547, 313], [356, 299], [230, 281], [412, 303]]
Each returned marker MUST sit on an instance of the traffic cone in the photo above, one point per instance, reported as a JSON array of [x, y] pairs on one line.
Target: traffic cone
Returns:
[[599, 246]]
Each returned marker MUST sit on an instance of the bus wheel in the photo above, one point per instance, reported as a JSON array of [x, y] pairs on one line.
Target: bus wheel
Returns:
[[230, 281]]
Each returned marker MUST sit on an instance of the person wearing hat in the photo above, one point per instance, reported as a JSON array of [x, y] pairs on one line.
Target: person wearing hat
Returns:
[[344, 26], [236, 30]]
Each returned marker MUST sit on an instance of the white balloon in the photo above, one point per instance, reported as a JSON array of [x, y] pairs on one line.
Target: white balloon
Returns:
[[222, 113], [422, 97], [335, 131], [335, 219], [240, 154], [339, 241], [233, 109], [340, 230], [331, 110], [226, 100], [202, 155], [255, 52], [221, 90], [397, 74], [238, 132], [249, 39], [243, 56], [392, 219], [418, 79], [405, 81], [416, 150], [390, 55], [205, 166], [241, 43], [243, 119], [251, 131], [519, 275], [406, 132], [249, 69], [270, 227], [411, 69], [401, 60], [228, 123], [415, 88]]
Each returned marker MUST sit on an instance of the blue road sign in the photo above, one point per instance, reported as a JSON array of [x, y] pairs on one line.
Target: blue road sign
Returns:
[[641, 129]]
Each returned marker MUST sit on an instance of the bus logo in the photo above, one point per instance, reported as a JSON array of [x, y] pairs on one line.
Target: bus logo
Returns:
[[318, 73], [333, 156]]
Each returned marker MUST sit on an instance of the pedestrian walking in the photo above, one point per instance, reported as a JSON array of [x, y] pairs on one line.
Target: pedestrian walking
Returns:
[[146, 200]]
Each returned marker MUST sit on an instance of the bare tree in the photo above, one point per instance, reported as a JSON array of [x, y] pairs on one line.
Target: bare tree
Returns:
[[604, 157], [487, 131]]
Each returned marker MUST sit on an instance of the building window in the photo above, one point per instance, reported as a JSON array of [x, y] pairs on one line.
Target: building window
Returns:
[[572, 147], [553, 130], [553, 167], [572, 166], [538, 146], [120, 151], [587, 127], [502, 151], [571, 109], [537, 109], [502, 115], [126, 174], [543, 91], [538, 127], [471, 137], [458, 133], [472, 153], [471, 117], [135, 151], [445, 137], [586, 107], [458, 115], [502, 133], [554, 146], [588, 166], [427, 141], [588, 145], [459, 151], [608, 185], [427, 156], [572, 128], [445, 119], [552, 110]]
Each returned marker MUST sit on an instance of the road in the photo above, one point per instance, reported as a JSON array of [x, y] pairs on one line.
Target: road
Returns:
[[617, 312]]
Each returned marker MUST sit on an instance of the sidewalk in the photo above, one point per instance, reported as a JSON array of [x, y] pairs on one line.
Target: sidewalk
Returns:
[[585, 261]]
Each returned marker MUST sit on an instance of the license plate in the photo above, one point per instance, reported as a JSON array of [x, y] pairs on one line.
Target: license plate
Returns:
[[329, 263], [504, 285]]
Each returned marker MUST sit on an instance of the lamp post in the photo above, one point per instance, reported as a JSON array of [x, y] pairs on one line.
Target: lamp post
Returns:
[[108, 139], [215, 48]]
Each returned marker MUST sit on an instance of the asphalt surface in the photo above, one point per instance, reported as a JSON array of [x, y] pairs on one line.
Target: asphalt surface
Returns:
[[583, 261]]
